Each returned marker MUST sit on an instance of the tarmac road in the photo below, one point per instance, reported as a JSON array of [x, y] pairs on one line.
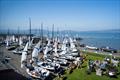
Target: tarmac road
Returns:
[[13, 63]]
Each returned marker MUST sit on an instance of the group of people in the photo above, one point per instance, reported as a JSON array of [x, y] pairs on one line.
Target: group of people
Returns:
[[106, 67]]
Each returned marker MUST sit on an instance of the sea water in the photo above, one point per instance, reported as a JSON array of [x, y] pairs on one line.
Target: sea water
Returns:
[[101, 39]]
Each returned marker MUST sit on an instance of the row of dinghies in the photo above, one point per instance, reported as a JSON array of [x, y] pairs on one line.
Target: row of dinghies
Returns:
[[54, 55]]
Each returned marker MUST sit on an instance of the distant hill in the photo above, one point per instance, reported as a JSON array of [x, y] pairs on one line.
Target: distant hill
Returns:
[[113, 30], [37, 31]]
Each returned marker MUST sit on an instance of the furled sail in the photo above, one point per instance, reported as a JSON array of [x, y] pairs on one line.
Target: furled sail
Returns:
[[24, 56]]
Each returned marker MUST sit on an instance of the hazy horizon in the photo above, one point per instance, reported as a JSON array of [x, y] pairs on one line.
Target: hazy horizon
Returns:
[[76, 15]]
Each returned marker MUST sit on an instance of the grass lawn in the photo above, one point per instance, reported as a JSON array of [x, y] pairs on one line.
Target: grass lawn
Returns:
[[80, 74]]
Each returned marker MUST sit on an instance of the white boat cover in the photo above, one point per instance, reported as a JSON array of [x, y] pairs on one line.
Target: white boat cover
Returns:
[[13, 38], [72, 45], [7, 43], [24, 55], [30, 42], [48, 44], [20, 41], [36, 50], [46, 51]]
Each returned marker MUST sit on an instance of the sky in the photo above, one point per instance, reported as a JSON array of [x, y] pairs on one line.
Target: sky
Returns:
[[78, 15]]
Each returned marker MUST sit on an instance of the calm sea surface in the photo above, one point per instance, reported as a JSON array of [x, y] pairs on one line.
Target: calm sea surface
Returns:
[[100, 39]]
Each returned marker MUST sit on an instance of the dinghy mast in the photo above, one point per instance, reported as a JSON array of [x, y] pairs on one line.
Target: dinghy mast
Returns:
[[30, 28], [53, 32]]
